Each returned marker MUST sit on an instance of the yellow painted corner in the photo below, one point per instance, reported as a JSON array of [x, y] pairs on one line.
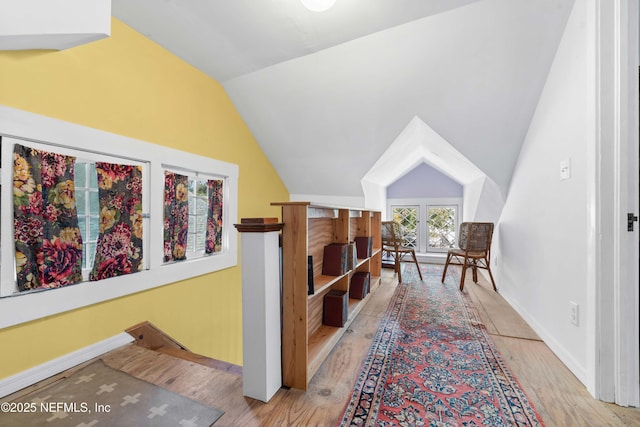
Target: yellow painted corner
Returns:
[[128, 85]]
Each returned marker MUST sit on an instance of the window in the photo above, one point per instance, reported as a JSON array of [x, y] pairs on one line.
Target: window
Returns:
[[198, 202], [441, 227], [88, 207], [191, 201], [429, 225], [408, 218], [90, 146], [58, 209]]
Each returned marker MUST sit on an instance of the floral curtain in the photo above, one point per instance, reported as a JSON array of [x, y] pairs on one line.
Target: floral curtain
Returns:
[[47, 238], [176, 216], [214, 217], [119, 247]]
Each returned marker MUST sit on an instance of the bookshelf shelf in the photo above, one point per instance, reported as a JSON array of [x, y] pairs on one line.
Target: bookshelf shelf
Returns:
[[322, 283], [306, 341]]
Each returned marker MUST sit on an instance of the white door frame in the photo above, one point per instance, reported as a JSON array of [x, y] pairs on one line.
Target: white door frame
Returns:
[[613, 192]]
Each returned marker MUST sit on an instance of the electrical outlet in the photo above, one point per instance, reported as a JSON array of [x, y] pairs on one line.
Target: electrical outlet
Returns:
[[573, 313]]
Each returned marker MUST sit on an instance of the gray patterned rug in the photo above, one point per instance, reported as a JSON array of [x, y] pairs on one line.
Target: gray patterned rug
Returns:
[[101, 396]]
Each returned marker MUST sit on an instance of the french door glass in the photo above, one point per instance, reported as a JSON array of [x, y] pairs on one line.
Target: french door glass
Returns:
[[441, 226], [409, 218], [426, 227]]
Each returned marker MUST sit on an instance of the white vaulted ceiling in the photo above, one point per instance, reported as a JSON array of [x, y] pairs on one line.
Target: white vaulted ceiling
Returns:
[[325, 94]]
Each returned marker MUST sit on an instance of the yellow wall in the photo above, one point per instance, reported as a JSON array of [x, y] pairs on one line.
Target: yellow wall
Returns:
[[128, 85]]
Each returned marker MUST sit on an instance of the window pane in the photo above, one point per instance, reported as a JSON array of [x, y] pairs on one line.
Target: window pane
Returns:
[[94, 203], [408, 219], [201, 227], [81, 200], [93, 176], [200, 242], [82, 224], [192, 223], [90, 254], [191, 242], [202, 189], [84, 256], [201, 233], [201, 207], [94, 228], [80, 174], [442, 227]]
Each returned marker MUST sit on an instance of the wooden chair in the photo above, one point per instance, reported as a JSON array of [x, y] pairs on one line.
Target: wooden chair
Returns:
[[474, 250], [392, 245]]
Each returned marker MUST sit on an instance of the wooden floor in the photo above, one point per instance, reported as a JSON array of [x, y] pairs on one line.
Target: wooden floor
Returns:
[[557, 395]]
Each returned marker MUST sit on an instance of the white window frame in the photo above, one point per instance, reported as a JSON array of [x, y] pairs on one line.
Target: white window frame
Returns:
[[199, 176], [9, 288], [423, 205], [22, 127]]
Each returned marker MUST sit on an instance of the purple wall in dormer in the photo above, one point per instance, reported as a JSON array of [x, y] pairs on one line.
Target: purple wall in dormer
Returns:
[[423, 181]]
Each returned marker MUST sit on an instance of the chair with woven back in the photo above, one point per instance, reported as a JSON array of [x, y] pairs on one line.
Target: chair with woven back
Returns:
[[474, 250], [392, 245]]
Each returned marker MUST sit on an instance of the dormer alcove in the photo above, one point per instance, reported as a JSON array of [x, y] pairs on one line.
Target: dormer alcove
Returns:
[[418, 143]]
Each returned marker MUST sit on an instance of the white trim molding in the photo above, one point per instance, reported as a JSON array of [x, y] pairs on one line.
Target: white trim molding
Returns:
[[41, 372], [614, 359]]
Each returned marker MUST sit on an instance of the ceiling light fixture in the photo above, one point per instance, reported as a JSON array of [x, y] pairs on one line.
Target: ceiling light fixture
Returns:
[[318, 5]]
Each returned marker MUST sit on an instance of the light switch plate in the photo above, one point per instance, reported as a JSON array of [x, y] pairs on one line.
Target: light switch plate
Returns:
[[565, 169]]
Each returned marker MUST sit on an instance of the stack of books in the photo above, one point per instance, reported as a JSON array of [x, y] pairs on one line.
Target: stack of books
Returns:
[[359, 287], [364, 246], [335, 261], [335, 308]]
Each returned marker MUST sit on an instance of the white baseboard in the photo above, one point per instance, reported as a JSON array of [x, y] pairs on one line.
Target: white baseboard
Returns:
[[556, 347], [41, 372], [431, 258]]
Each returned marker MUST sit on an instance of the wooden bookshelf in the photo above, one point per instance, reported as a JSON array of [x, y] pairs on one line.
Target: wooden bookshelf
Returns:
[[306, 342]]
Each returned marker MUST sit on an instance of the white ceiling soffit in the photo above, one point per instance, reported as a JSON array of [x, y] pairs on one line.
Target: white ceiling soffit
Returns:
[[474, 74], [228, 38], [417, 144]]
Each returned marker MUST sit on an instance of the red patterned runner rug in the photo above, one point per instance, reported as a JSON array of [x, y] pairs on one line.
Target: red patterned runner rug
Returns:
[[432, 363]]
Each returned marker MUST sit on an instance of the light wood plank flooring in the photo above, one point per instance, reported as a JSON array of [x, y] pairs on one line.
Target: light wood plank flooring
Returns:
[[557, 394]]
